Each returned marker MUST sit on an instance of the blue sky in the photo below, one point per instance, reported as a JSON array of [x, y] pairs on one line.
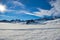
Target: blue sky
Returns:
[[23, 9]]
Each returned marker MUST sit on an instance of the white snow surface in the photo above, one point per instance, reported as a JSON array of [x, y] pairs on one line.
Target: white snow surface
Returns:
[[48, 31], [47, 24]]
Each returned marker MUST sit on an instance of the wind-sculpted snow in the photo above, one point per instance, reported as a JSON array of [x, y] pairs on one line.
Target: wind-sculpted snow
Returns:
[[45, 34], [49, 31]]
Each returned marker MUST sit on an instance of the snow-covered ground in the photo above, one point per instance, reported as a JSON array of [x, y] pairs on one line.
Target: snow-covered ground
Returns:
[[45, 34], [46, 24], [50, 30]]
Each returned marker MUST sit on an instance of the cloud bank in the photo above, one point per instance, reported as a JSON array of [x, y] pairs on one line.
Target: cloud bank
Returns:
[[55, 11]]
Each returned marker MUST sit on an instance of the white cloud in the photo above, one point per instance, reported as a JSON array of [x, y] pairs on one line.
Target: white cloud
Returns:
[[56, 6], [55, 10], [24, 12], [42, 12], [18, 3], [20, 11], [15, 3]]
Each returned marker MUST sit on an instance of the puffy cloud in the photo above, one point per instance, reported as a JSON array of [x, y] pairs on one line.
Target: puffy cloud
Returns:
[[55, 11], [56, 5]]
